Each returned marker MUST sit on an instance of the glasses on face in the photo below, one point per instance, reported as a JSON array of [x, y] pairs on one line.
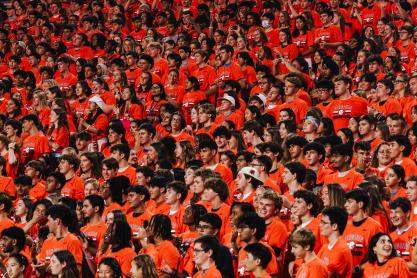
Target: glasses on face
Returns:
[[399, 81], [199, 250]]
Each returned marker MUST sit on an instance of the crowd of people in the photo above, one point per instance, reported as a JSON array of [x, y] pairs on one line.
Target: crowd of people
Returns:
[[208, 138]]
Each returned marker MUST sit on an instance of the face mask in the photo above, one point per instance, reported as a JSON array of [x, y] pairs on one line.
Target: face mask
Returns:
[[265, 23]]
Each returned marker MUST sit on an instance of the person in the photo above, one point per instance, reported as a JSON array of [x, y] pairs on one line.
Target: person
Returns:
[[119, 236], [12, 240], [156, 242], [16, 265], [137, 197], [60, 221], [63, 264], [143, 267], [400, 149], [109, 267], [400, 209], [74, 185], [360, 229], [347, 177], [247, 181], [36, 143], [121, 153], [302, 246], [382, 258], [175, 195], [251, 229], [257, 259], [217, 193], [95, 228], [336, 254], [205, 249]]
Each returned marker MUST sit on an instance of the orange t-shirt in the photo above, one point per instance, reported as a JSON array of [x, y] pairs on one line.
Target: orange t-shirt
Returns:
[[6, 223], [337, 258], [391, 105], [154, 208], [224, 213], [358, 238], [74, 188], [402, 242], [164, 254], [394, 267], [178, 227], [123, 256], [211, 272], [38, 191], [348, 182], [312, 269], [113, 206], [299, 107], [276, 235], [7, 185], [34, 146], [129, 172], [70, 242], [272, 267], [94, 233], [136, 221], [409, 166], [340, 111]]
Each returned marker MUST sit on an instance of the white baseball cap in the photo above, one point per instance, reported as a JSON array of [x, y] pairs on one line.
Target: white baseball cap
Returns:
[[229, 99], [252, 172]]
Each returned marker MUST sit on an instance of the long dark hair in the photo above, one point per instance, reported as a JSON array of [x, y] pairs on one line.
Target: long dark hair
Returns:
[[96, 164], [62, 120], [372, 257], [70, 270], [113, 264]]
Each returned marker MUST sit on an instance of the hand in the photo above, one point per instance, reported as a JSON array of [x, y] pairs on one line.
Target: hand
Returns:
[[167, 269], [12, 145]]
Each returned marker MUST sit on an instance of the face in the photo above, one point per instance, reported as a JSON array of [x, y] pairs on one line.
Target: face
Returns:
[[352, 207], [207, 155], [340, 88], [105, 271], [198, 185], [171, 197], [312, 157], [21, 209], [64, 166], [14, 270], [22, 190], [298, 250], [108, 173], [56, 266], [383, 247], [399, 217], [200, 255], [364, 128], [338, 161], [90, 189], [135, 271], [287, 176], [241, 181], [391, 179], [295, 151], [383, 155], [394, 127], [353, 125], [326, 228], [266, 208], [395, 149]]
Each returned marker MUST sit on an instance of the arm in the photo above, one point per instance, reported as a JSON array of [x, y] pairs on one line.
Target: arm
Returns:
[[12, 155]]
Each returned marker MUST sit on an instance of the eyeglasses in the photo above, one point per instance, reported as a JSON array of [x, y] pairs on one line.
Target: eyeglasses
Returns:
[[399, 81], [199, 250]]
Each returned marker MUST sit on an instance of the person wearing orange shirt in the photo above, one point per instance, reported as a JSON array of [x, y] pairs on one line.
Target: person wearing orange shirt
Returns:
[[206, 75], [400, 149], [346, 105], [335, 254], [276, 234], [293, 85], [411, 189], [253, 133], [251, 229], [137, 196], [404, 234], [305, 207], [160, 66], [175, 195], [383, 260], [257, 259], [302, 246], [367, 131], [156, 241], [361, 228], [64, 77], [386, 104], [325, 90], [112, 193], [263, 164], [157, 188], [121, 153], [216, 193], [6, 183], [329, 36], [208, 154], [229, 70], [59, 219], [5, 206], [295, 147], [205, 248], [315, 154], [206, 117], [247, 181], [346, 176], [395, 181], [12, 241], [74, 186], [34, 169], [228, 110], [120, 236], [95, 228], [36, 143]]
